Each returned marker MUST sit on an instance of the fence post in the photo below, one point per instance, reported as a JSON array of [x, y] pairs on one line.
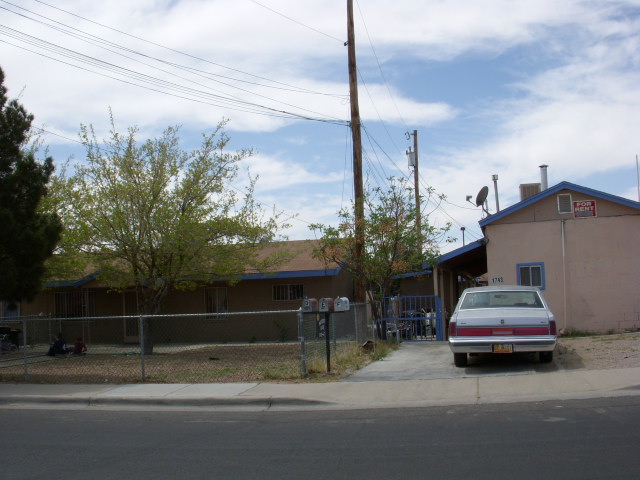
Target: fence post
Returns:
[[327, 338], [141, 332], [24, 348], [303, 351]]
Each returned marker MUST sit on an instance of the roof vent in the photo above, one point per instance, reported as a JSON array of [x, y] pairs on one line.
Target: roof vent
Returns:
[[529, 190], [564, 203]]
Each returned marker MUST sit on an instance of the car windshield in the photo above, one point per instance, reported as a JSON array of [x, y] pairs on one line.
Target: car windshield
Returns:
[[502, 299]]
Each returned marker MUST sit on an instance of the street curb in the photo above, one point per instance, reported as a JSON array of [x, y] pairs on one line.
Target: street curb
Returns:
[[160, 402]]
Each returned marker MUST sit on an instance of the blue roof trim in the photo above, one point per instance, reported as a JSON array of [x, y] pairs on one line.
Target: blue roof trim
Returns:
[[462, 250], [292, 274], [68, 283], [413, 274], [247, 276], [553, 190]]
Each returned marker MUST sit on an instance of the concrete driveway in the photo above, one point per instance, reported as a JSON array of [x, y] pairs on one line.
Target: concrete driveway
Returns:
[[428, 360]]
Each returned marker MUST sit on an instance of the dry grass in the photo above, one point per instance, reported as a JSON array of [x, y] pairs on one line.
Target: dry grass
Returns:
[[248, 363], [347, 359], [210, 364]]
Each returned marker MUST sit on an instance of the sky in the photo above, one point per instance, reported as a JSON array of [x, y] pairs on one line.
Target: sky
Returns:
[[492, 87]]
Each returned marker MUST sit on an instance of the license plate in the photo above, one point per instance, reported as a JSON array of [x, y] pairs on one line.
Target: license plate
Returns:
[[502, 348]]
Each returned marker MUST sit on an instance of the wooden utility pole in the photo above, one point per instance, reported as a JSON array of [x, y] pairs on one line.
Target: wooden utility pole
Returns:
[[416, 183], [358, 189]]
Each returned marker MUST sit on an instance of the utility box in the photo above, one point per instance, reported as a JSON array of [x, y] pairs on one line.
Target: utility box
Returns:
[[310, 305], [326, 305], [341, 304]]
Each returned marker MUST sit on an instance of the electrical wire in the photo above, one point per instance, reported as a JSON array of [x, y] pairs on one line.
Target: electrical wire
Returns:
[[103, 43], [173, 50], [152, 83], [377, 176], [297, 22], [375, 55]]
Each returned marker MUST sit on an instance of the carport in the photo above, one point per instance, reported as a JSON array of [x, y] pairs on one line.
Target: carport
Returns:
[[459, 269]]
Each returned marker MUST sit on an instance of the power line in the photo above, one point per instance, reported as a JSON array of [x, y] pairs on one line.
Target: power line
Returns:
[[297, 22], [103, 43], [195, 57], [384, 79], [62, 51], [227, 102]]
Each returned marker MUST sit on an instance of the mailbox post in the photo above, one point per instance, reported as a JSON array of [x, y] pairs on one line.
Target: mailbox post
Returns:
[[326, 306]]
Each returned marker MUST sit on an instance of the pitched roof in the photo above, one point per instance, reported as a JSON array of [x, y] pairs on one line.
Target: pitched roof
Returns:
[[553, 190], [300, 264]]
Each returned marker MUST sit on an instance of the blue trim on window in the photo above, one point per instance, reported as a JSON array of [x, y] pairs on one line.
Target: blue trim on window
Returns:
[[543, 282]]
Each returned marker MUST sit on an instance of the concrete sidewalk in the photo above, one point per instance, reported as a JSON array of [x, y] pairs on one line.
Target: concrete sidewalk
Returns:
[[338, 395]]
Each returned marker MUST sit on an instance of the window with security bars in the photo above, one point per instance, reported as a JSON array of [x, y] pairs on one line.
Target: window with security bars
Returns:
[[288, 292], [216, 300], [75, 304], [531, 275], [9, 310]]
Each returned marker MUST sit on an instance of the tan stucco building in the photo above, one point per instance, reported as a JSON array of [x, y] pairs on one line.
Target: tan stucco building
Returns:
[[580, 246], [284, 289]]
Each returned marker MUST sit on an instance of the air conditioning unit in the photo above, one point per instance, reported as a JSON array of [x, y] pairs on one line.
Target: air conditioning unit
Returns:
[[529, 190], [564, 203]]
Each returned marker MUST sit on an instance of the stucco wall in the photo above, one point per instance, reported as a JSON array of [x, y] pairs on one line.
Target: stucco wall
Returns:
[[245, 296], [594, 285]]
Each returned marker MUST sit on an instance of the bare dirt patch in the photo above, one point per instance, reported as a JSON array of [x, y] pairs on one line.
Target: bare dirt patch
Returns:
[[246, 363], [599, 352]]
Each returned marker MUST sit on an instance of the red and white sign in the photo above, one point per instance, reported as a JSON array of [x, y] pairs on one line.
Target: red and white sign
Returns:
[[585, 208]]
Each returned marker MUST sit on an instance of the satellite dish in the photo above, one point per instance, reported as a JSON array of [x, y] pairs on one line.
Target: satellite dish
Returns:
[[482, 196]]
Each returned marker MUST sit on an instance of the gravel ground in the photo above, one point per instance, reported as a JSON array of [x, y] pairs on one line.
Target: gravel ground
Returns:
[[599, 352]]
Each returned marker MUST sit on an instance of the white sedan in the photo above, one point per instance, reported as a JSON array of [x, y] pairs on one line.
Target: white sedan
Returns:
[[506, 319]]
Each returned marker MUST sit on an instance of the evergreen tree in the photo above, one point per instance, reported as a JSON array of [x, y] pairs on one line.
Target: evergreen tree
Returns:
[[28, 236]]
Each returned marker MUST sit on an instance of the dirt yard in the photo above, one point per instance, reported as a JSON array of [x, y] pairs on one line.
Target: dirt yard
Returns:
[[599, 352], [251, 363], [246, 363]]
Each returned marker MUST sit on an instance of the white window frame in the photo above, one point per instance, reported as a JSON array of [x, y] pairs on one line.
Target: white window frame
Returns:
[[530, 267], [565, 204]]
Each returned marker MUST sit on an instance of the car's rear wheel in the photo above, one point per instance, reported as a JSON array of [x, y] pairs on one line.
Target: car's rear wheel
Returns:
[[460, 359], [546, 357]]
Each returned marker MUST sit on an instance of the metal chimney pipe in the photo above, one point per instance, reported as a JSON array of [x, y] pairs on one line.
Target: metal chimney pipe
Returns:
[[544, 183], [495, 189]]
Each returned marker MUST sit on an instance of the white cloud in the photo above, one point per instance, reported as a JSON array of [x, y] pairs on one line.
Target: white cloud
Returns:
[[278, 174], [575, 107]]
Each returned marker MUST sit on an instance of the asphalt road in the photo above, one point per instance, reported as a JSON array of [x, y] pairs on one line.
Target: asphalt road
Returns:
[[586, 439]]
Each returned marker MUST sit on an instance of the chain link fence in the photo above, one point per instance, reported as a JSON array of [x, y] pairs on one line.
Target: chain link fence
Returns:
[[323, 335], [197, 348]]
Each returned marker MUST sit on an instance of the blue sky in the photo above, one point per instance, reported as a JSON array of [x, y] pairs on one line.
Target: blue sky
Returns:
[[492, 87]]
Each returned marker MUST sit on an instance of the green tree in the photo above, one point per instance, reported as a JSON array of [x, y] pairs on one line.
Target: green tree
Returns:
[[29, 236], [154, 217], [393, 246]]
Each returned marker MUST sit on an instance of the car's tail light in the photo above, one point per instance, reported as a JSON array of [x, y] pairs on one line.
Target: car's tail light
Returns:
[[552, 327], [452, 329]]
